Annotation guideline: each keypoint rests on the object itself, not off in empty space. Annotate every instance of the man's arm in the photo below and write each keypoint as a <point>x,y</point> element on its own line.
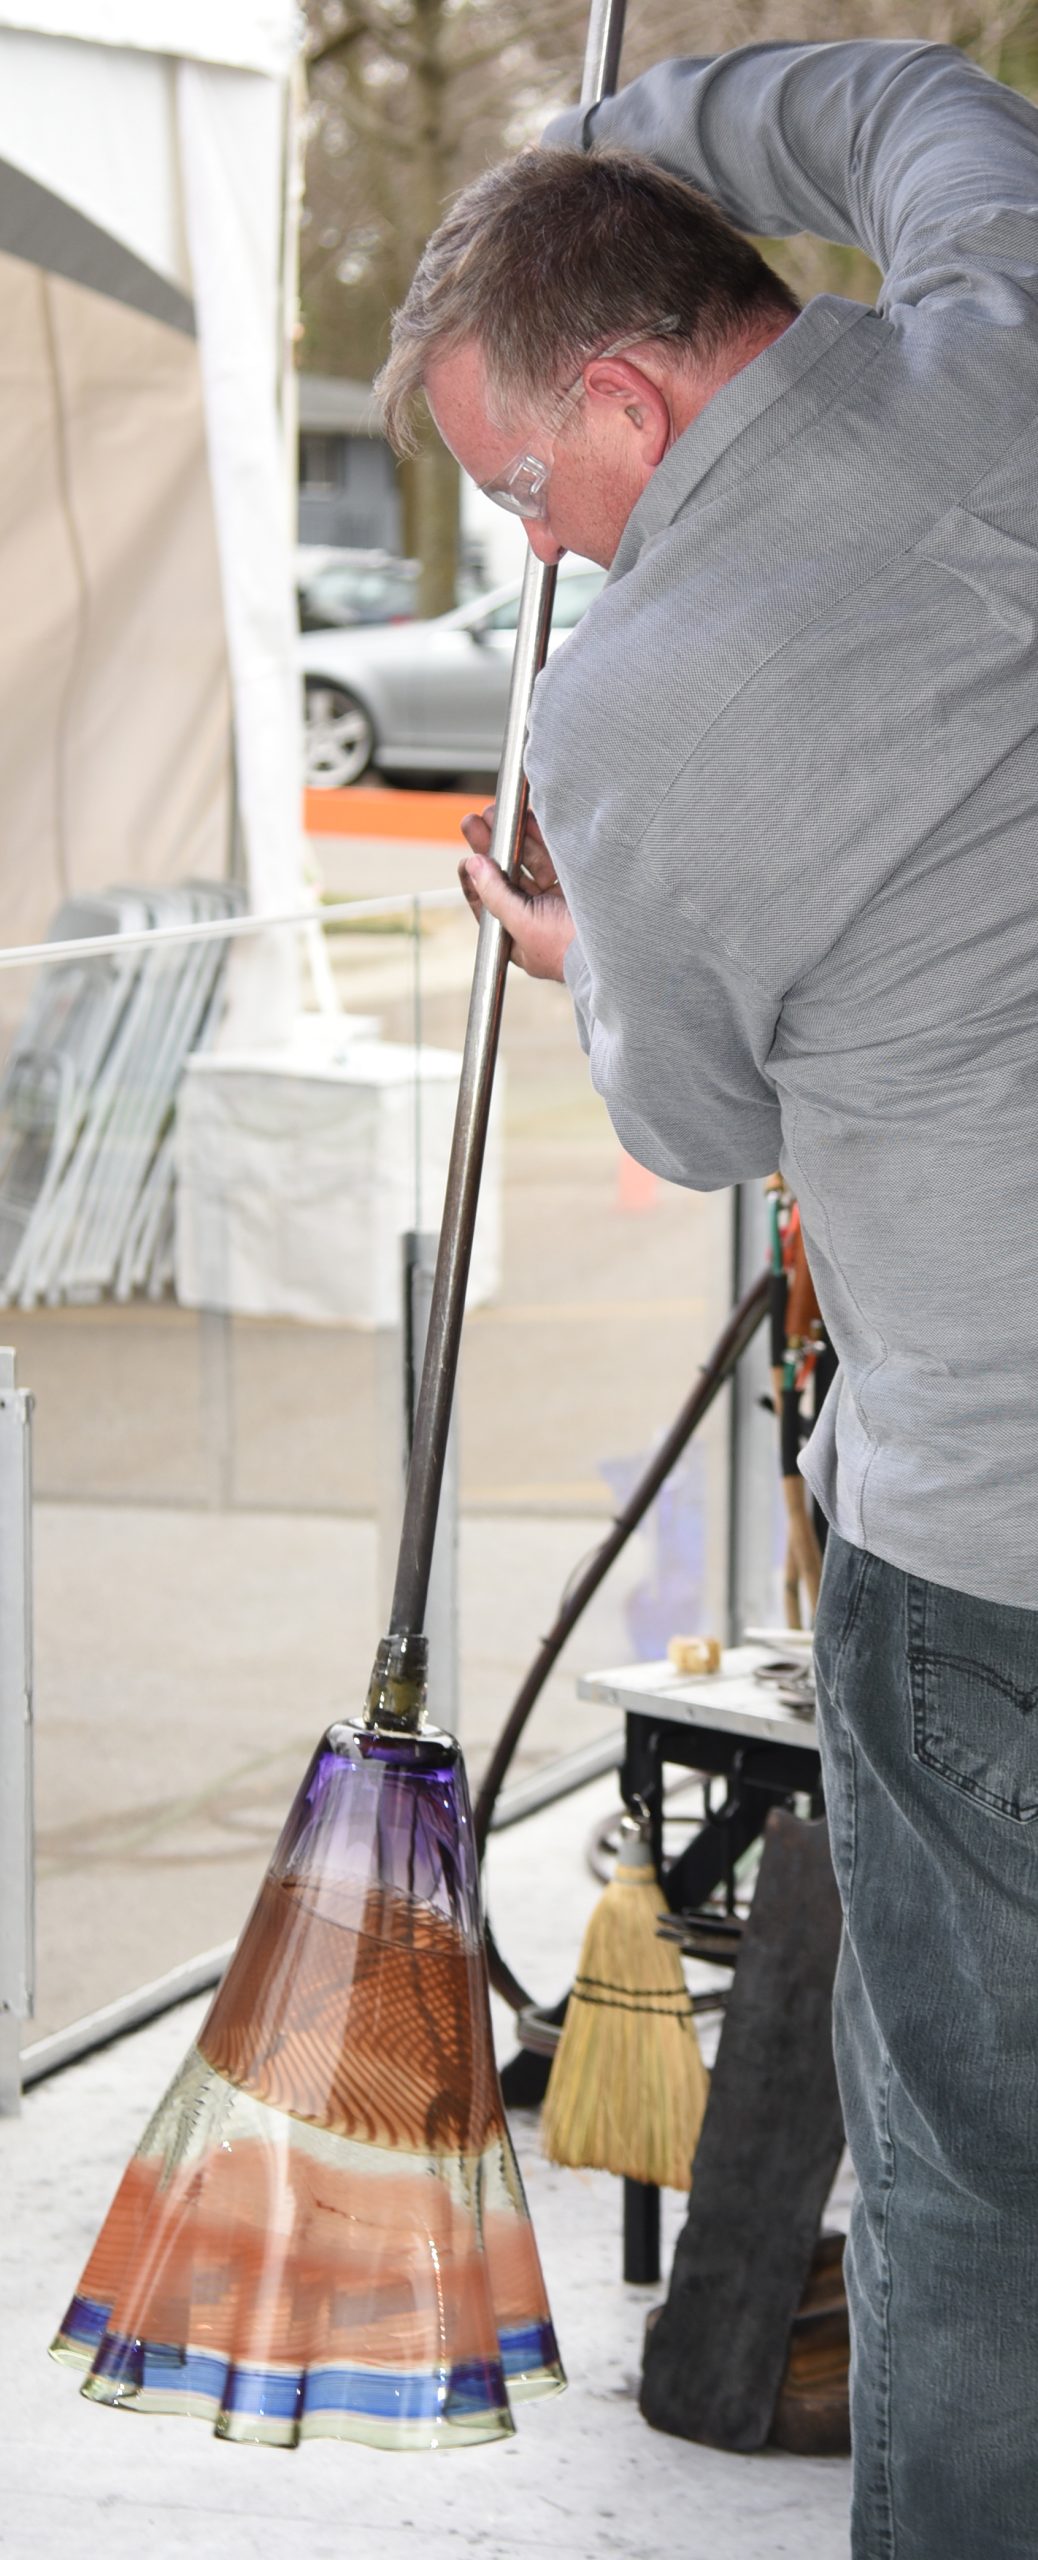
<point>675,1033</point>
<point>675,1039</point>
<point>906,149</point>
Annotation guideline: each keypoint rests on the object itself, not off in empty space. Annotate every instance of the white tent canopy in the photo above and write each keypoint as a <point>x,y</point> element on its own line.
<point>147,661</point>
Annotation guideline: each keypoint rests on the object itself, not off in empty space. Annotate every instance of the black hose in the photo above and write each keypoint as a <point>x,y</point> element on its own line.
<point>739,1331</point>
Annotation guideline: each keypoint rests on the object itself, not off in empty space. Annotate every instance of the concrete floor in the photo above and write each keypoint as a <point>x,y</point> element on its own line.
<point>584,2478</point>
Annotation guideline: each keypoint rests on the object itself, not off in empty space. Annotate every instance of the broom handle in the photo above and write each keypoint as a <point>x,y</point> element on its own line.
<point>439,1369</point>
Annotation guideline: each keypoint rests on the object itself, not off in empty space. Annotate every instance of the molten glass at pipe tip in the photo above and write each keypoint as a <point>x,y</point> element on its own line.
<point>396,1690</point>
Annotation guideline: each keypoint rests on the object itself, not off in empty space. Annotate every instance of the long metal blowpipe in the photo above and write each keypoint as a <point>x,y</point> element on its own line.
<point>397,1681</point>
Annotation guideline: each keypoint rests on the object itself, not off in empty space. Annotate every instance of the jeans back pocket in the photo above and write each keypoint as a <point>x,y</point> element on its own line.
<point>973,1666</point>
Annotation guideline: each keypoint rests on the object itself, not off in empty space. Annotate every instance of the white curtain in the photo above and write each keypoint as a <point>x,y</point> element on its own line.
<point>115,748</point>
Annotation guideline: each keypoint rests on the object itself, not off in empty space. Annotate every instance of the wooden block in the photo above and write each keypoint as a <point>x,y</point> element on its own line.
<point>812,2412</point>
<point>768,2152</point>
<point>694,1656</point>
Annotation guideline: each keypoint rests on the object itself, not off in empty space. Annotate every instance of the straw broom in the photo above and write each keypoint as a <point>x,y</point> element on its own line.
<point>628,2084</point>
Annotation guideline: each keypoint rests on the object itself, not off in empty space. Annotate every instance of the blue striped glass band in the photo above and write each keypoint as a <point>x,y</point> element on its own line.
<point>254,2391</point>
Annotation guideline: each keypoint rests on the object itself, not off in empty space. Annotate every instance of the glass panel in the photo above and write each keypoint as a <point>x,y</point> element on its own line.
<point>206,1314</point>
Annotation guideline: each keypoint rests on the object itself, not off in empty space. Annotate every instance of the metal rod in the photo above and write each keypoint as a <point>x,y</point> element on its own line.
<point>407,1614</point>
<point>439,1370</point>
<point>563,1777</point>
<point>16,1676</point>
<point>122,2017</point>
<point>442,1603</point>
<point>605,37</point>
<point>346,911</point>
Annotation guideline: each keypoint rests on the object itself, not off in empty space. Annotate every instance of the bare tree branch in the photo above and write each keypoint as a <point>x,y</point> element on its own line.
<point>417,135</point>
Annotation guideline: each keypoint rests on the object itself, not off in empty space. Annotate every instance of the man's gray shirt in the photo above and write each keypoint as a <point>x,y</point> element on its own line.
<point>788,771</point>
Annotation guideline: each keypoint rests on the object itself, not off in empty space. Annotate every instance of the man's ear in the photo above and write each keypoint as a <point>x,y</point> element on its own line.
<point>612,379</point>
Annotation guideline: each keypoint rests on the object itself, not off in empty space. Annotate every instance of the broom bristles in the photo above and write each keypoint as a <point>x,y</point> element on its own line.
<point>628,2084</point>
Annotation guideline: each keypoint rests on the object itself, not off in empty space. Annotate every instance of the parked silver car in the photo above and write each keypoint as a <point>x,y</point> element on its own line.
<point>359,586</point>
<point>421,697</point>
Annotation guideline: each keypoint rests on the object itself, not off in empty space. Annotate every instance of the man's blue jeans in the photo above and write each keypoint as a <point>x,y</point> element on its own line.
<point>928,1713</point>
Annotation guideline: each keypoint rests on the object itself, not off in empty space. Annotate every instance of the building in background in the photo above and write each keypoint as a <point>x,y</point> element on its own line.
<point>349,495</point>
<point>349,487</point>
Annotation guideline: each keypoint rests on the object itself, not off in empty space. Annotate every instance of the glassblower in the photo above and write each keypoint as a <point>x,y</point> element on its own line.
<point>324,2231</point>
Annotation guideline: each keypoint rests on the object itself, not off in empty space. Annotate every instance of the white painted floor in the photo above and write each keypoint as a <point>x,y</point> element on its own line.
<point>584,2478</point>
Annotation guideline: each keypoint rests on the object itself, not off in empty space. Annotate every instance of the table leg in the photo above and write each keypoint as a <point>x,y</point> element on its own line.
<point>641,1777</point>
<point>641,2232</point>
<point>641,1781</point>
<point>694,1876</point>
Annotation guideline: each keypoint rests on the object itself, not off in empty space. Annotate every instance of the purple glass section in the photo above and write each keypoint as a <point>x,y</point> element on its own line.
<point>385,1811</point>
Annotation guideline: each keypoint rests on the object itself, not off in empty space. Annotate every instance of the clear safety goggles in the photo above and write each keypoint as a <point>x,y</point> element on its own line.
<point>522,487</point>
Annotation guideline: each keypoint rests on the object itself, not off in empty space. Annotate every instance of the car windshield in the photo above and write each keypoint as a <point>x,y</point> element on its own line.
<point>573,594</point>
<point>369,595</point>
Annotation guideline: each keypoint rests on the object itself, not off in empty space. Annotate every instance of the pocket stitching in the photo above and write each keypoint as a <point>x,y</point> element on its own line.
<point>921,1657</point>
<point>970,1787</point>
<point>1025,1700</point>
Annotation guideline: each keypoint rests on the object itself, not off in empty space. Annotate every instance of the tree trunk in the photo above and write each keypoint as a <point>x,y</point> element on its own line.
<point>436,484</point>
<point>436,497</point>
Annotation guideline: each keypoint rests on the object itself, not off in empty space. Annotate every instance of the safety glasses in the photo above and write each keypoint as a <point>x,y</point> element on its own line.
<point>522,487</point>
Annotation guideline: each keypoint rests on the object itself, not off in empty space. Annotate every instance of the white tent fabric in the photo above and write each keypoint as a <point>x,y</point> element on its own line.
<point>144,488</point>
<point>115,726</point>
<point>251,35</point>
<point>96,131</point>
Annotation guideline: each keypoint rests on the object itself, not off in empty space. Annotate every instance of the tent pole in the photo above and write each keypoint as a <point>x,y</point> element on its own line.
<point>16,1807</point>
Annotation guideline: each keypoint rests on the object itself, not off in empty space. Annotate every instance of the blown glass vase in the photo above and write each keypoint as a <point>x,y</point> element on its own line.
<point>324,2231</point>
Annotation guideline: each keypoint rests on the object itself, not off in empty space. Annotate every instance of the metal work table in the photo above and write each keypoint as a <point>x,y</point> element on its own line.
<point>726,1701</point>
<point>727,1725</point>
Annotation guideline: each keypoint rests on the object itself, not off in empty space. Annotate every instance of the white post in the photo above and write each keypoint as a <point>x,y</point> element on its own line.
<point>399,1358</point>
<point>216,1365</point>
<point>16,1803</point>
<point>753,1485</point>
<point>441,1615</point>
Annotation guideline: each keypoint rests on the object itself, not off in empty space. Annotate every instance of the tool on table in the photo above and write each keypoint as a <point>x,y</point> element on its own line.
<point>789,1668</point>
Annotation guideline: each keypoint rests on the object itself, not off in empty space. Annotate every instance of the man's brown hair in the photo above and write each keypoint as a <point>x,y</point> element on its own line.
<point>551,255</point>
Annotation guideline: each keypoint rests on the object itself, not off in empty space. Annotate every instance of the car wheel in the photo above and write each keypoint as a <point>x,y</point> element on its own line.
<point>340,736</point>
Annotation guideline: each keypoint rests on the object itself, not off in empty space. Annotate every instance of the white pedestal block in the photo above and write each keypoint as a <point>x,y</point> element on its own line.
<point>296,1178</point>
